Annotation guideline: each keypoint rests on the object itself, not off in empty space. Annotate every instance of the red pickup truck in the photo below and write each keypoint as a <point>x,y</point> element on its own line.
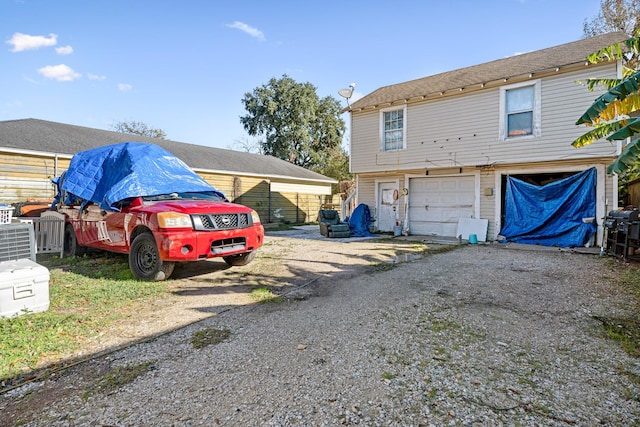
<point>155,226</point>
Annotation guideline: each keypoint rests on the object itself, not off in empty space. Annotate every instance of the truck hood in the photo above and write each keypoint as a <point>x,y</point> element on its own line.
<point>113,173</point>
<point>192,207</point>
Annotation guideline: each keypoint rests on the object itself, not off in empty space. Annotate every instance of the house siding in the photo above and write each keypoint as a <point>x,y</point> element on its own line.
<point>463,130</point>
<point>26,177</point>
<point>295,207</point>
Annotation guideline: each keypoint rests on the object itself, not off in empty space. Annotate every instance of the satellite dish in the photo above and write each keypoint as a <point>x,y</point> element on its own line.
<point>347,93</point>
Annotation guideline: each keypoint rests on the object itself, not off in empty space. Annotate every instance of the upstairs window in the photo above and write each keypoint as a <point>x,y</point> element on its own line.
<point>393,129</point>
<point>520,111</point>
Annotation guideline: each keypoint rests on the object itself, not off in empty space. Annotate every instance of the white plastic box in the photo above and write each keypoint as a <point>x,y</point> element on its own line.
<point>24,287</point>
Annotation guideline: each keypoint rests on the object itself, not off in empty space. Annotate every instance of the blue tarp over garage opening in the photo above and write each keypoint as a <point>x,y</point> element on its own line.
<point>552,214</point>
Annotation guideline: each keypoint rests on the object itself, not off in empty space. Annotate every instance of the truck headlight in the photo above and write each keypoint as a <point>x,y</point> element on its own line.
<point>174,220</point>
<point>255,217</point>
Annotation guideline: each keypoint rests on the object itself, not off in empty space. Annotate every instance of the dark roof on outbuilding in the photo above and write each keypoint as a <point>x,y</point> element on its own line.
<point>539,61</point>
<point>63,139</point>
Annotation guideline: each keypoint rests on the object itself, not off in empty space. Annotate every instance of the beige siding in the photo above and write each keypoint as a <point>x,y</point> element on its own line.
<point>24,177</point>
<point>295,207</point>
<point>463,130</point>
<point>365,142</point>
<point>254,193</point>
<point>366,191</point>
<point>223,183</point>
<point>488,197</point>
<point>290,187</point>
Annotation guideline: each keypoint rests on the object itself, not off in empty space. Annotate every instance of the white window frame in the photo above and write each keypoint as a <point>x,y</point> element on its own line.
<point>537,128</point>
<point>404,128</point>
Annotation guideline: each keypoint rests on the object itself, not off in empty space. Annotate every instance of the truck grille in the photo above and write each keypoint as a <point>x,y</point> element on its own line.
<point>221,221</point>
<point>224,246</point>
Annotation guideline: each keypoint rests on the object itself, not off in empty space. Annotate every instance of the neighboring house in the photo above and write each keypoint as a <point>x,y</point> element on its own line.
<point>32,152</point>
<point>432,151</point>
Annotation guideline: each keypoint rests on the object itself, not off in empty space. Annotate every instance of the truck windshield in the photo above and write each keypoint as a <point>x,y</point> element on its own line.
<point>203,195</point>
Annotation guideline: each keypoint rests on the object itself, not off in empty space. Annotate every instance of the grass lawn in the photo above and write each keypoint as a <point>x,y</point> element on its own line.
<point>86,295</point>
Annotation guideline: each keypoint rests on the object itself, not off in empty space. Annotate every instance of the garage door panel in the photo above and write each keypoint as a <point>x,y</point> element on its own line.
<point>437,203</point>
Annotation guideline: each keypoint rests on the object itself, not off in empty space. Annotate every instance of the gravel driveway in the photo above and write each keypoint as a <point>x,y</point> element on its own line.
<point>481,335</point>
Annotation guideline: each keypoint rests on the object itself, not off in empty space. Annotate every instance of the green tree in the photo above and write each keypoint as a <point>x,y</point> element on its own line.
<point>335,163</point>
<point>614,15</point>
<point>138,128</point>
<point>294,124</point>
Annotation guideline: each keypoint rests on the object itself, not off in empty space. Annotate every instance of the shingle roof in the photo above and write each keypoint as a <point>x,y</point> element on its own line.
<point>61,139</point>
<point>517,65</point>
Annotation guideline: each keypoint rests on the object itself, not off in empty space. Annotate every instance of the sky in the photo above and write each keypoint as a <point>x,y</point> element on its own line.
<point>185,66</point>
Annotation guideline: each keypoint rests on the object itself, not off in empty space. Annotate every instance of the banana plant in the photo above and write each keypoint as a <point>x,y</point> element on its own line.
<point>615,115</point>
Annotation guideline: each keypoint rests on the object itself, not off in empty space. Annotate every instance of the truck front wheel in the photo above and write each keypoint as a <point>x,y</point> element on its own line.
<point>240,259</point>
<point>71,246</point>
<point>144,259</point>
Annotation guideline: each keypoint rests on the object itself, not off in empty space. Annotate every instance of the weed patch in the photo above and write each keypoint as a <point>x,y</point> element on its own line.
<point>209,336</point>
<point>119,376</point>
<point>626,331</point>
<point>263,295</point>
<point>383,266</point>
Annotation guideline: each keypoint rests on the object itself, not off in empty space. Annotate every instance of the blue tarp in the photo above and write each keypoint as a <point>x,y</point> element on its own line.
<point>360,221</point>
<point>112,173</point>
<point>552,214</point>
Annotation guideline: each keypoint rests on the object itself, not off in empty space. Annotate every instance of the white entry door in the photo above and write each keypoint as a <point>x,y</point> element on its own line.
<point>387,206</point>
<point>437,203</point>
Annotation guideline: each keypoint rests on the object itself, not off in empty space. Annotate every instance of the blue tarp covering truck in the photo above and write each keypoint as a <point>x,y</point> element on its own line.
<point>141,200</point>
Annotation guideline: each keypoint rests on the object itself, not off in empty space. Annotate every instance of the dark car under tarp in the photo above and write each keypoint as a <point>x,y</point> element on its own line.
<point>561,213</point>
<point>113,173</point>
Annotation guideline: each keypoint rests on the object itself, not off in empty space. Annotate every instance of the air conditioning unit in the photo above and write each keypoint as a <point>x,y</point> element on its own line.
<point>17,241</point>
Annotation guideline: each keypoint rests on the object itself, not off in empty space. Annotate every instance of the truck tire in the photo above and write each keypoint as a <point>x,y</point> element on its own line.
<point>240,259</point>
<point>145,262</point>
<point>71,246</point>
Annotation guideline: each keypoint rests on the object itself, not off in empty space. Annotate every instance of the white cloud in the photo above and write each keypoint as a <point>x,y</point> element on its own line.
<point>22,42</point>
<point>62,73</point>
<point>253,32</point>
<point>124,87</point>
<point>95,77</point>
<point>64,50</point>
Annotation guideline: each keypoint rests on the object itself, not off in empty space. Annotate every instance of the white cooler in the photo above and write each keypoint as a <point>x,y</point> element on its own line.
<point>24,287</point>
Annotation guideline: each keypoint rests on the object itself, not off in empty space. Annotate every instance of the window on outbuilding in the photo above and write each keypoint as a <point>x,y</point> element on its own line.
<point>520,111</point>
<point>393,129</point>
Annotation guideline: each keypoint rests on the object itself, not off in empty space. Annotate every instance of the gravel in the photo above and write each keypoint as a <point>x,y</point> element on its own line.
<point>481,335</point>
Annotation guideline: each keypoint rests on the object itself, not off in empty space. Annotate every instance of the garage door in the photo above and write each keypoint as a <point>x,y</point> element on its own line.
<point>436,204</point>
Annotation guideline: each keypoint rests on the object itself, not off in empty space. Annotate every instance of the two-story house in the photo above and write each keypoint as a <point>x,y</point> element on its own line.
<point>431,152</point>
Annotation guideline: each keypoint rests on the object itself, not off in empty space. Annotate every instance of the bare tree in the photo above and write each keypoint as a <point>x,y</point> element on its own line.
<point>138,128</point>
<point>247,145</point>
<point>614,15</point>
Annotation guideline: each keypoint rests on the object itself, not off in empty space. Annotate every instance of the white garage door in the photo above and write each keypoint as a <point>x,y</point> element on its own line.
<point>437,203</point>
